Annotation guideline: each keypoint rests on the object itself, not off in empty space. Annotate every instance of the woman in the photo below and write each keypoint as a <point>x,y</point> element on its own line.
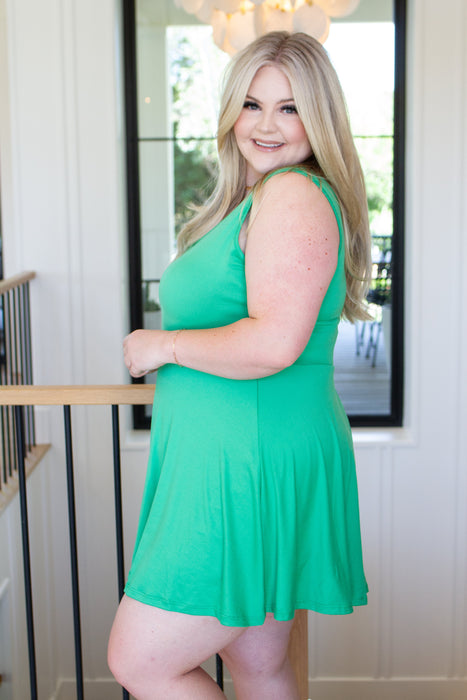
<point>250,508</point>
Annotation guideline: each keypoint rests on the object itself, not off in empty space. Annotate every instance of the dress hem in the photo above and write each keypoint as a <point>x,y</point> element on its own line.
<point>245,621</point>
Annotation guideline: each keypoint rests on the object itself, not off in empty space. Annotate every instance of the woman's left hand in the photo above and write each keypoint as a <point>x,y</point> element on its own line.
<point>145,351</point>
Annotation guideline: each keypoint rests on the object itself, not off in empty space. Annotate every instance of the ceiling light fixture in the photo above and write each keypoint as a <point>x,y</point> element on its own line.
<point>236,23</point>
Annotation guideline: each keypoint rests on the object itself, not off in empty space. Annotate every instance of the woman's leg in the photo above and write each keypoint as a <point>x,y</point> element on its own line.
<point>258,663</point>
<point>156,654</point>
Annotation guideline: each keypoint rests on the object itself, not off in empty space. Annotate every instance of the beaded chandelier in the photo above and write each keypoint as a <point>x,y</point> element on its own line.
<point>236,23</point>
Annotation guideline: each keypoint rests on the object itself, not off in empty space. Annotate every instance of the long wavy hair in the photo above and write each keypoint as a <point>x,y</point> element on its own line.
<point>321,106</point>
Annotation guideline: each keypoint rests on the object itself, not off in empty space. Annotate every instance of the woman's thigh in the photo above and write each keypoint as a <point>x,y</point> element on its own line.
<point>259,650</point>
<point>150,641</point>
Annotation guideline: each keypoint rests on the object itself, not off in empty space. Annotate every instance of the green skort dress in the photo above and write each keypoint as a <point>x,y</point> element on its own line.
<point>250,503</point>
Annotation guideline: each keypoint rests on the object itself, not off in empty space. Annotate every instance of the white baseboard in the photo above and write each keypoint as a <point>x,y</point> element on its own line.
<point>105,689</point>
<point>388,689</point>
<point>99,689</point>
<point>320,689</point>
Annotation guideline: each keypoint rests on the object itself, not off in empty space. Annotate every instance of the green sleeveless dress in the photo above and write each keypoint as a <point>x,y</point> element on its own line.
<point>250,503</point>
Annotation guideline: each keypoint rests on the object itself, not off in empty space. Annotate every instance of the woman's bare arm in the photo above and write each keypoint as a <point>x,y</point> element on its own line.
<point>290,258</point>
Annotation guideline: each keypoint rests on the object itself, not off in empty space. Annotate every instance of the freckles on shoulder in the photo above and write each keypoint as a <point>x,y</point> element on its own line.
<point>294,222</point>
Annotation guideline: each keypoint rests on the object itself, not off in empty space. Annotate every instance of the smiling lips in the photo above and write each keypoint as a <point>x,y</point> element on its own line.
<point>263,144</point>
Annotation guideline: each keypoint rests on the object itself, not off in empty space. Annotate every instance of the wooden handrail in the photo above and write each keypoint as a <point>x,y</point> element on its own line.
<point>86,395</point>
<point>16,281</point>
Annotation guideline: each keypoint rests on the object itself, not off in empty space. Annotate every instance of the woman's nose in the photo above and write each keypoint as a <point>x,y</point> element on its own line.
<point>266,122</point>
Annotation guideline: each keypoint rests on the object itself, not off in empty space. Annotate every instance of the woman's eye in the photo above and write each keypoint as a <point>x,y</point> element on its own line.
<point>289,109</point>
<point>251,105</point>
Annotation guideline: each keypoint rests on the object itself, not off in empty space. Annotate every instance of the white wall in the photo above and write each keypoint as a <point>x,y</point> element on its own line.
<point>61,171</point>
<point>61,149</point>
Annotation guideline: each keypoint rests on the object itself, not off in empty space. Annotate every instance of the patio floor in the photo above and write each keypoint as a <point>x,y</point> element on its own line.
<point>363,389</point>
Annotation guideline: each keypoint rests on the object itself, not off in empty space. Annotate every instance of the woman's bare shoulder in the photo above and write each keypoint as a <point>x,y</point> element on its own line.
<point>293,194</point>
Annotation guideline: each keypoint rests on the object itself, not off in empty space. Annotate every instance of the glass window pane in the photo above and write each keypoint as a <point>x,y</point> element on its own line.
<point>194,175</point>
<point>362,356</point>
<point>179,75</point>
<point>195,70</point>
<point>156,206</point>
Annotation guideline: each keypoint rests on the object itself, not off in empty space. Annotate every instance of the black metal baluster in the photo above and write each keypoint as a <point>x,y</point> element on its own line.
<point>73,553</point>
<point>118,499</point>
<point>29,378</point>
<point>3,381</point>
<point>4,438</point>
<point>26,552</point>
<point>20,334</point>
<point>14,357</point>
<point>118,510</point>
<point>219,672</point>
<point>12,461</point>
<point>27,322</point>
<point>8,346</point>
<point>2,341</point>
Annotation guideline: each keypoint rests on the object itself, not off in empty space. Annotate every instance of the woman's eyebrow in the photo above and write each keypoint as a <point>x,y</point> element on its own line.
<point>255,99</point>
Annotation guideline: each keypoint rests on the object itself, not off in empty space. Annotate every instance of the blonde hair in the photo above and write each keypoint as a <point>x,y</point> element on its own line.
<point>321,106</point>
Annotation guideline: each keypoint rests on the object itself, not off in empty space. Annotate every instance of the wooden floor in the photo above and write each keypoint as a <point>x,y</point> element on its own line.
<point>363,389</point>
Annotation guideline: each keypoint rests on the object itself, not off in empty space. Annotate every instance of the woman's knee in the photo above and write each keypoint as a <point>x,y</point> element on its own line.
<point>119,662</point>
<point>157,647</point>
<point>142,677</point>
<point>126,651</point>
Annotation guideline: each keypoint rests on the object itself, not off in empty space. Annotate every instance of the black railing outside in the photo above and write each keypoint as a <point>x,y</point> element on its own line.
<point>15,368</point>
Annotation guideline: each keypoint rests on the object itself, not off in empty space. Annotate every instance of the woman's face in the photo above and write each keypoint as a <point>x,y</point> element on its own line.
<point>269,132</point>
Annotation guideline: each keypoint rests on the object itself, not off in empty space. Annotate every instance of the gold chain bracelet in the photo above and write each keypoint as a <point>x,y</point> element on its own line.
<point>177,333</point>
